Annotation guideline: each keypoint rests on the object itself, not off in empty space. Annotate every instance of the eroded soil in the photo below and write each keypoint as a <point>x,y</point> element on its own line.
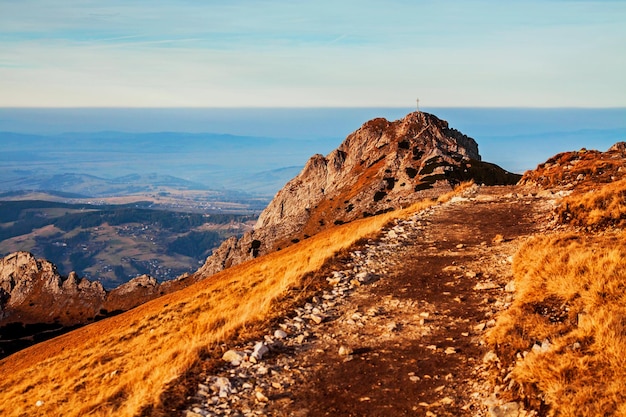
<point>422,352</point>
<point>408,343</point>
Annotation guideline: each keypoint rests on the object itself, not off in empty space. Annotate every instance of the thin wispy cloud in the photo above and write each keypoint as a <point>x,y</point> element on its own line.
<point>325,53</point>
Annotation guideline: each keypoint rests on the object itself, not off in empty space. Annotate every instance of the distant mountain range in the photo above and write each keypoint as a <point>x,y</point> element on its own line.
<point>117,163</point>
<point>85,185</point>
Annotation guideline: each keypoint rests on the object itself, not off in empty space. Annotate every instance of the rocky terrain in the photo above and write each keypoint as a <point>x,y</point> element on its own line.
<point>397,329</point>
<point>37,303</point>
<point>415,319</point>
<point>380,167</point>
<point>579,169</point>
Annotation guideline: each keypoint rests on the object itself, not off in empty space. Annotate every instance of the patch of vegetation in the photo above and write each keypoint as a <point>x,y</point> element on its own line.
<point>417,153</point>
<point>254,247</point>
<point>391,182</point>
<point>80,260</point>
<point>481,173</point>
<point>422,186</point>
<point>430,165</point>
<point>174,221</point>
<point>571,299</point>
<point>404,144</point>
<point>411,172</point>
<point>595,209</point>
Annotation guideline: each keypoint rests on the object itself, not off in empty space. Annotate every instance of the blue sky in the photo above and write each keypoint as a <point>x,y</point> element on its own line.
<point>269,53</point>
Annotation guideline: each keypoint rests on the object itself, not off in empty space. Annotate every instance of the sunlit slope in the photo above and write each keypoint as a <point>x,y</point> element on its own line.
<point>564,336</point>
<point>568,324</point>
<point>119,365</point>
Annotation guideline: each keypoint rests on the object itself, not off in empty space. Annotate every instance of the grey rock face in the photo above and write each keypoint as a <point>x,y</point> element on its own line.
<point>21,275</point>
<point>382,166</point>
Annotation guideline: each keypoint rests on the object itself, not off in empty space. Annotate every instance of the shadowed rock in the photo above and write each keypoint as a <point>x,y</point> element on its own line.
<point>380,167</point>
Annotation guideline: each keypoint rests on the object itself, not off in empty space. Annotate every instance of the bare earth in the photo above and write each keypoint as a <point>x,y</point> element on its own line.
<point>406,340</point>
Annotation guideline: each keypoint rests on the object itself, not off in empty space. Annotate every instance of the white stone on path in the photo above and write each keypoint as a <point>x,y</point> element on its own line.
<point>280,334</point>
<point>222,385</point>
<point>345,351</point>
<point>234,357</point>
<point>261,397</point>
<point>260,349</point>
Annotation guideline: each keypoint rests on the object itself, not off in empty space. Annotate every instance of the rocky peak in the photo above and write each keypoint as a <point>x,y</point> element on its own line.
<point>33,288</point>
<point>20,272</point>
<point>381,166</point>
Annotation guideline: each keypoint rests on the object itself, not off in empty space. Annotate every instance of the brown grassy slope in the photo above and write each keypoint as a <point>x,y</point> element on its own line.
<point>580,170</point>
<point>120,365</point>
<point>571,297</point>
<point>571,291</point>
<point>597,208</point>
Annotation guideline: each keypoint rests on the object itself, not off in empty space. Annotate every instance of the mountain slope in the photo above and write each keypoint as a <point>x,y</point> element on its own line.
<point>120,365</point>
<point>566,312</point>
<point>37,303</point>
<point>382,166</point>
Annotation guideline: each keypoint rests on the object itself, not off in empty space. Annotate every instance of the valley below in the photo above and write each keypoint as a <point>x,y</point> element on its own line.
<point>113,240</point>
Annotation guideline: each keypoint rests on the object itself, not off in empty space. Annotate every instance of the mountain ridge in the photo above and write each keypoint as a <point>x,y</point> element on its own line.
<point>382,166</point>
<point>147,361</point>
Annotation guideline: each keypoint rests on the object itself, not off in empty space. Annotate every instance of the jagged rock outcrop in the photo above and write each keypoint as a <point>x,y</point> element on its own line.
<point>579,169</point>
<point>34,292</point>
<point>380,167</point>
<point>136,291</point>
<point>619,147</point>
<point>36,302</point>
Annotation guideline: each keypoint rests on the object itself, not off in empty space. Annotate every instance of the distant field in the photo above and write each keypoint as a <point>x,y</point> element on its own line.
<point>114,243</point>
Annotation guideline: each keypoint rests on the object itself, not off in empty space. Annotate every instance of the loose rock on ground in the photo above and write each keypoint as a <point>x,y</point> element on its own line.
<point>398,331</point>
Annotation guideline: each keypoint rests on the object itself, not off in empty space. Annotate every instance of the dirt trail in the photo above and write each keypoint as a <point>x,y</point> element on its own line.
<point>407,342</point>
<point>418,352</point>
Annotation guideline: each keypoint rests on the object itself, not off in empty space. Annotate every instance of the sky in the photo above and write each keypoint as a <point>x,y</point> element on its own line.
<point>300,53</point>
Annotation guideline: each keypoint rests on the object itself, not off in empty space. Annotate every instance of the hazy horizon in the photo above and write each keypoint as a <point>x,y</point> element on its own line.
<point>515,138</point>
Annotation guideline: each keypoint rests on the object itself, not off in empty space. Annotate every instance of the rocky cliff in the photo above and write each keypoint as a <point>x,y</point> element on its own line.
<point>36,302</point>
<point>380,167</point>
<point>33,292</point>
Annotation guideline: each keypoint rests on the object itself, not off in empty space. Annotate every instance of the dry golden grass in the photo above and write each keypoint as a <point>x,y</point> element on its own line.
<point>584,168</point>
<point>118,366</point>
<point>601,207</point>
<point>571,290</point>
